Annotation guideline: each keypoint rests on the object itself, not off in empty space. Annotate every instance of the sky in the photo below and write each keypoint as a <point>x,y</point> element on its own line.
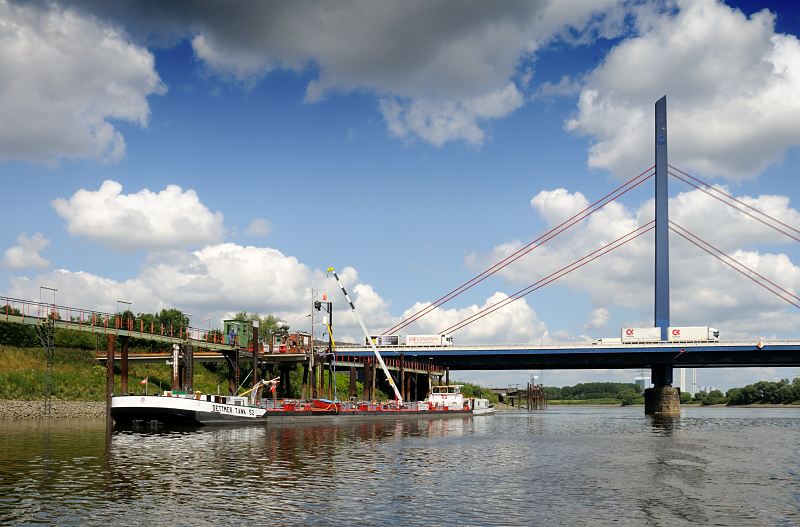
<point>217,157</point>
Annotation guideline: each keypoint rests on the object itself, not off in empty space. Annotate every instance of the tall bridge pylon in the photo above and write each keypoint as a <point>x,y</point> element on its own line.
<point>662,399</point>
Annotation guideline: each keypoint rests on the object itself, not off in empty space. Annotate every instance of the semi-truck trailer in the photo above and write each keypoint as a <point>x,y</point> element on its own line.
<point>384,340</point>
<point>651,334</point>
<point>429,340</point>
<point>674,334</point>
<point>692,334</point>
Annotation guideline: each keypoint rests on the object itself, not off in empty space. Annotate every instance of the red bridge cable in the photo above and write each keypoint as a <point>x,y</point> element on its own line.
<point>792,236</point>
<point>776,220</point>
<point>577,264</point>
<point>526,249</point>
<point>700,244</point>
<point>733,198</point>
<point>719,251</point>
<point>545,281</point>
<point>516,256</point>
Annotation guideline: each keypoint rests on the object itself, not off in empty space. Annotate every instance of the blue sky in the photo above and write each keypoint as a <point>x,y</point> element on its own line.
<point>405,154</point>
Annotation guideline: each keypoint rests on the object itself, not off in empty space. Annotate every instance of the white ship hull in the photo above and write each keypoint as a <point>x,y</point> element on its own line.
<point>214,410</point>
<point>179,410</point>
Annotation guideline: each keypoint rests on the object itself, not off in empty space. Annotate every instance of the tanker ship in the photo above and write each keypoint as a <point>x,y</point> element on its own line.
<point>200,409</point>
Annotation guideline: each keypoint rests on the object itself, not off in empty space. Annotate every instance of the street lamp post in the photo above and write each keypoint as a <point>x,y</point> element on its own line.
<point>208,333</point>
<point>45,288</point>
<point>119,313</point>
<point>188,323</point>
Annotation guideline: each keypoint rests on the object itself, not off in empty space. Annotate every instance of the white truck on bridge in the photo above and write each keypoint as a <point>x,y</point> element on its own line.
<point>674,334</point>
<point>640,335</point>
<point>429,340</point>
<point>692,334</point>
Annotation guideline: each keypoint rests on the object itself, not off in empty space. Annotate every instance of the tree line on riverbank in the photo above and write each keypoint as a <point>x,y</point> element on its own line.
<point>596,392</point>
<point>762,392</point>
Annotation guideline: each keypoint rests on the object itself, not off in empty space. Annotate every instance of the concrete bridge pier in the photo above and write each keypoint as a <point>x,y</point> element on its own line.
<point>662,400</point>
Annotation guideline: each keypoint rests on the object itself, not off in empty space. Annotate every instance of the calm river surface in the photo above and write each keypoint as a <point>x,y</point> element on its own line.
<point>558,467</point>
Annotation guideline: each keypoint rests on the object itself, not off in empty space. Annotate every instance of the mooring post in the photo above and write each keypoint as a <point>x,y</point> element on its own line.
<point>123,365</point>
<point>188,357</point>
<point>353,391</point>
<point>372,375</point>
<point>322,380</point>
<point>110,348</point>
<point>176,380</point>
<point>304,386</point>
<point>367,382</point>
<point>255,352</point>
<point>662,399</point>
<point>528,398</point>
<point>331,379</point>
<point>232,358</point>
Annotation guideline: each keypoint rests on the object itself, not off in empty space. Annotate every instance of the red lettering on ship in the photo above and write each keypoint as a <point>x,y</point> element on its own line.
<point>676,332</point>
<point>629,332</point>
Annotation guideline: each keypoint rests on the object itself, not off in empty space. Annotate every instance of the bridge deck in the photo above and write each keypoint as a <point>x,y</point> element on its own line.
<point>594,356</point>
<point>108,330</point>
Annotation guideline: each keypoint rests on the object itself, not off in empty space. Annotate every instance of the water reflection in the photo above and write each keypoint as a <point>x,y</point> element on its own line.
<point>663,425</point>
<point>559,467</point>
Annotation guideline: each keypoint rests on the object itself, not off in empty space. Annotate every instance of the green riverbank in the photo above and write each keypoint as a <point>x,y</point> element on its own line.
<point>77,376</point>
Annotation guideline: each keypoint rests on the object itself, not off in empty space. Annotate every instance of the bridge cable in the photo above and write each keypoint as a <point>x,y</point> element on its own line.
<point>577,264</point>
<point>552,233</point>
<point>733,263</point>
<point>698,180</point>
<point>728,203</point>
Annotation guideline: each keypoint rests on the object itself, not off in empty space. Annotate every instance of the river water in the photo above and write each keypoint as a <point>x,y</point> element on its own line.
<point>571,466</point>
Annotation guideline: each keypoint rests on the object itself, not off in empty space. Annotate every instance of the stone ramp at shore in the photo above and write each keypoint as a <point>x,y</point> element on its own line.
<point>11,409</point>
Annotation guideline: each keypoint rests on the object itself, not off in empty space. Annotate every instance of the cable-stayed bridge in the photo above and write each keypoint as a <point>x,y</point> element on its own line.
<point>661,357</point>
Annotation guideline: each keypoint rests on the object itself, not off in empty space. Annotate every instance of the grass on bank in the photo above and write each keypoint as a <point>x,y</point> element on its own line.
<point>76,375</point>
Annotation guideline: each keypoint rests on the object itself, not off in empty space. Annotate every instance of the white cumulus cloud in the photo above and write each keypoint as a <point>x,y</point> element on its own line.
<point>440,70</point>
<point>731,83</point>
<point>26,253</point>
<point>259,227</point>
<point>64,78</point>
<point>517,322</point>
<point>168,219</point>
<point>447,120</point>
<point>598,318</point>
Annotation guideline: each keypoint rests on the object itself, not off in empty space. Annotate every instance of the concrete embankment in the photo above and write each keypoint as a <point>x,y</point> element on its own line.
<point>10,409</point>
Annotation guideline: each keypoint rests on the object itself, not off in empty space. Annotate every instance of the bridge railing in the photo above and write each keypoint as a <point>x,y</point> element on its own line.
<point>391,363</point>
<point>89,319</point>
